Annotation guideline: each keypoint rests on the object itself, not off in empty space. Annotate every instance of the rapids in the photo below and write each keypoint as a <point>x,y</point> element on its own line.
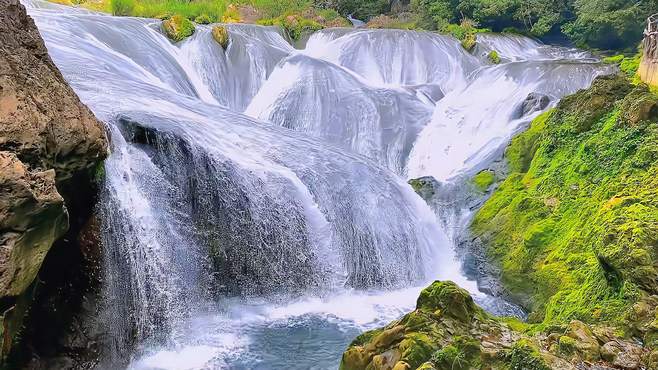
<point>255,210</point>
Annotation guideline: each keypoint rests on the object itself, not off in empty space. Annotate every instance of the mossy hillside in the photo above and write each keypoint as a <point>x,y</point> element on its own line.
<point>575,225</point>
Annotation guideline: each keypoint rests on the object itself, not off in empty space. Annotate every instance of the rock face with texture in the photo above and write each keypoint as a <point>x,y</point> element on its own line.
<point>49,140</point>
<point>649,66</point>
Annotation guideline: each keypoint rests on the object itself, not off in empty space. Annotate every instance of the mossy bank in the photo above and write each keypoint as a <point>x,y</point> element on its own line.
<point>573,230</point>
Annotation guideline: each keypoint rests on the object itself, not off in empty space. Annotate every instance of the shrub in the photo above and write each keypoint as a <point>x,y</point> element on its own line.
<point>203,19</point>
<point>494,57</point>
<point>122,7</point>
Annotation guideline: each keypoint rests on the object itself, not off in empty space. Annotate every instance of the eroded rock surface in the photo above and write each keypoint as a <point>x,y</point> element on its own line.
<point>50,143</point>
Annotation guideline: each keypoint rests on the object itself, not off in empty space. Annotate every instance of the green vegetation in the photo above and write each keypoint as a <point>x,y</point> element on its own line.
<point>525,356</point>
<point>574,225</point>
<point>494,57</point>
<point>122,7</point>
<point>295,25</point>
<point>599,24</point>
<point>483,180</point>
<point>466,32</point>
<point>177,28</point>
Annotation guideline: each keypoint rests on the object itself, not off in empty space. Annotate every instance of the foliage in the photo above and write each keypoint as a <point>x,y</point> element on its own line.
<point>296,25</point>
<point>592,23</point>
<point>122,7</point>
<point>466,32</point>
<point>178,28</point>
<point>494,57</point>
<point>203,19</point>
<point>211,10</point>
<point>574,224</point>
<point>362,9</point>
<point>278,8</point>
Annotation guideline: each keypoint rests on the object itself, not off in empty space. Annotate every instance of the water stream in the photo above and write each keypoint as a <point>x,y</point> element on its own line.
<point>256,209</point>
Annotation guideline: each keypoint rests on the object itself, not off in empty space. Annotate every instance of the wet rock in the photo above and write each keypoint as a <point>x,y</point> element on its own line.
<point>426,187</point>
<point>177,28</point>
<point>534,102</point>
<point>221,35</point>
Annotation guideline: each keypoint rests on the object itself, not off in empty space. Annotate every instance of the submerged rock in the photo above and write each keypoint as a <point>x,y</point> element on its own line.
<point>178,28</point>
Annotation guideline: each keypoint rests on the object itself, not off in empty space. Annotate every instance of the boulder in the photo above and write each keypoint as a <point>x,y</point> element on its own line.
<point>221,35</point>
<point>177,28</point>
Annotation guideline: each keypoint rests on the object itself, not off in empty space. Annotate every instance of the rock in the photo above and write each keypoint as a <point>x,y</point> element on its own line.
<point>221,35</point>
<point>534,102</point>
<point>50,143</point>
<point>42,121</point>
<point>639,105</point>
<point>177,28</point>
<point>449,298</point>
<point>426,186</point>
<point>32,217</point>
<point>585,342</point>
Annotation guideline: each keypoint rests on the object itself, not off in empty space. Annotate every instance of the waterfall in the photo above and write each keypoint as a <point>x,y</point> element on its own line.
<point>258,194</point>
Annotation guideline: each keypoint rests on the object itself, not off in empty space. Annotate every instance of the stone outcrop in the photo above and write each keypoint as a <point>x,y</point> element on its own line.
<point>50,144</point>
<point>449,331</point>
<point>648,70</point>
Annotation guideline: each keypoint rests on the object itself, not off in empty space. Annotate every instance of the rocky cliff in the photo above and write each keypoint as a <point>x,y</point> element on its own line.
<point>649,65</point>
<point>50,146</point>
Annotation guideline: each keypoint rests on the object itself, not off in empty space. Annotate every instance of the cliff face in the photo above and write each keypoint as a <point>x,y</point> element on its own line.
<point>50,144</point>
<point>649,66</point>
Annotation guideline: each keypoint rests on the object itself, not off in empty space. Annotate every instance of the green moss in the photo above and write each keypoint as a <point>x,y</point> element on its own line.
<point>566,345</point>
<point>295,24</point>
<point>178,28</point>
<point>494,57</point>
<point>525,356</point>
<point>483,180</point>
<point>365,337</point>
<point>448,298</point>
<point>574,225</point>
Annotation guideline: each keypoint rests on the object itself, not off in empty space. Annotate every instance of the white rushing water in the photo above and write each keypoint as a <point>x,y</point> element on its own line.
<point>256,212</point>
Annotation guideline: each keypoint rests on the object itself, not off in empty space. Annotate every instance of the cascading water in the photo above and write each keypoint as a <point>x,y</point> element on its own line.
<point>269,240</point>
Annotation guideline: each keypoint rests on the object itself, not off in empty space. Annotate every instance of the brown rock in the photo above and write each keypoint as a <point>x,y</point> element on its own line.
<point>48,139</point>
<point>42,121</point>
<point>32,217</point>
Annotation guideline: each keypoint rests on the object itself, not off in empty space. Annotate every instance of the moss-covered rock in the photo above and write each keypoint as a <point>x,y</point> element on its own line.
<point>483,180</point>
<point>221,35</point>
<point>493,57</point>
<point>448,331</point>
<point>178,28</point>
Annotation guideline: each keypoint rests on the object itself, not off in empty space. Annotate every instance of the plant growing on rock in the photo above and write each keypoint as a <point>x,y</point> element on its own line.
<point>178,28</point>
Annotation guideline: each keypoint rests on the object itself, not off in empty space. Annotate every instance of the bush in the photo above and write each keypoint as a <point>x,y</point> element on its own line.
<point>122,7</point>
<point>494,57</point>
<point>203,19</point>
